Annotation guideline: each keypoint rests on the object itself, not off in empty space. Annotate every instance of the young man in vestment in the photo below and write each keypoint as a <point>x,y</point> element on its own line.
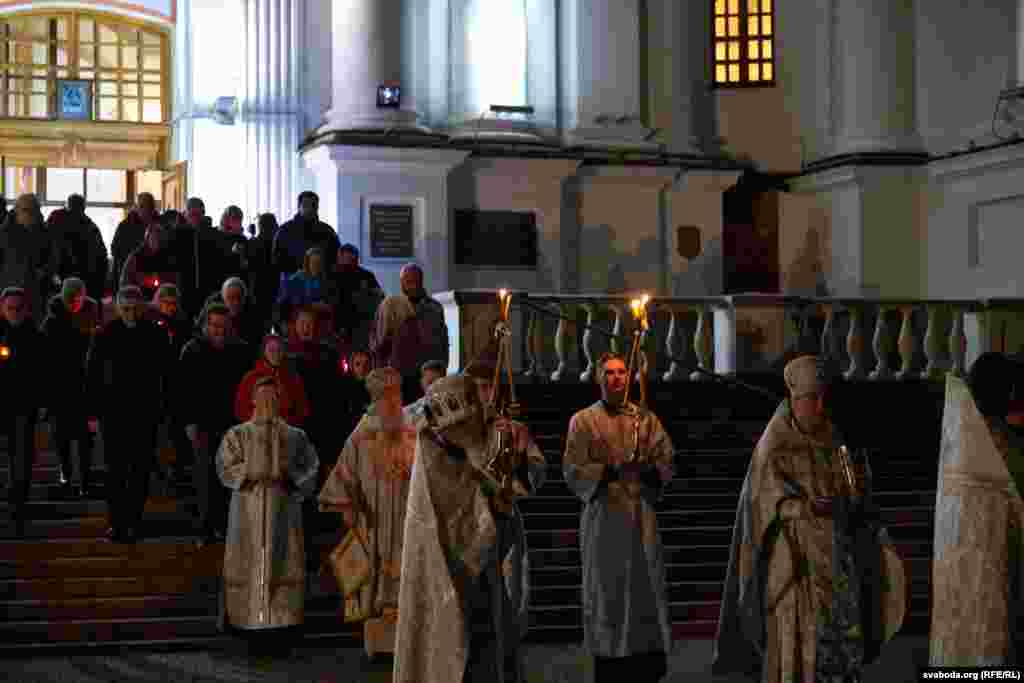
<point>270,468</point>
<point>814,587</point>
<point>978,568</point>
<point>369,485</point>
<point>463,594</point>
<point>618,460</point>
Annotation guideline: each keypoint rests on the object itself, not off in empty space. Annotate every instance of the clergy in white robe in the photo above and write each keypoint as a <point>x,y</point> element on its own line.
<point>626,623</point>
<point>270,467</point>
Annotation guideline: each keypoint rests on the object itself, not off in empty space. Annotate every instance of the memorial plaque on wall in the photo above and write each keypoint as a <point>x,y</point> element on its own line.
<point>391,231</point>
<point>495,239</point>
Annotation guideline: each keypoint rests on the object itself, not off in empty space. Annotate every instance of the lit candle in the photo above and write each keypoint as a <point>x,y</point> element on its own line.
<point>5,352</point>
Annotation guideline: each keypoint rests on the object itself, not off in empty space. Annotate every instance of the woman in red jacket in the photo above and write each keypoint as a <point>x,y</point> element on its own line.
<point>294,406</point>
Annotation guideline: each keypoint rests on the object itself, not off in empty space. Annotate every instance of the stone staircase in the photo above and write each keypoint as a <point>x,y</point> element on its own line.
<point>63,585</point>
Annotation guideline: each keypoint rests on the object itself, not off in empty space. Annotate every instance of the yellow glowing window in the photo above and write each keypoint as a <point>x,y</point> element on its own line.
<point>743,50</point>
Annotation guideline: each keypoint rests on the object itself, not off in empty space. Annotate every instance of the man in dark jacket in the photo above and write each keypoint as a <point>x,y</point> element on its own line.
<point>126,372</point>
<point>211,367</point>
<point>165,313</point>
<point>21,373</point>
<point>300,234</point>
<point>263,278</point>
<point>358,294</point>
<point>130,233</point>
<point>82,251</point>
<point>244,320</point>
<point>28,257</point>
<point>201,256</point>
<point>69,329</point>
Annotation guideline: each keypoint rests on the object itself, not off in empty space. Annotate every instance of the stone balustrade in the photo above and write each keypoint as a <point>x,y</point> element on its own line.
<point>871,339</point>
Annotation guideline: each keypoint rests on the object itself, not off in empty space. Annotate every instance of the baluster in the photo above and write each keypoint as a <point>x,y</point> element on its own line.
<point>933,343</point>
<point>703,343</point>
<point>616,344</point>
<point>588,344</point>
<point>641,360</point>
<point>675,347</point>
<point>957,342</point>
<point>855,344</point>
<point>826,331</point>
<point>535,346</point>
<point>806,342</point>
<point>881,345</point>
<point>565,338</point>
<point>905,343</point>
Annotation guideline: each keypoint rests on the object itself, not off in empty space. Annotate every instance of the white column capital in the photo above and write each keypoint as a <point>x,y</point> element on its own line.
<point>373,160</point>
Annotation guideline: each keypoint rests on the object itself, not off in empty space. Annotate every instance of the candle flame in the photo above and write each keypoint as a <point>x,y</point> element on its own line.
<point>502,293</point>
<point>5,351</point>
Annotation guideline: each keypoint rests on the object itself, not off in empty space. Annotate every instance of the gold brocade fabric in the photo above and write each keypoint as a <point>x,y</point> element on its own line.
<point>270,467</point>
<point>977,508</point>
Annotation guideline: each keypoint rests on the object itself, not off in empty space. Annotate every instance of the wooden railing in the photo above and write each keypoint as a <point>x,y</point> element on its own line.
<point>559,337</point>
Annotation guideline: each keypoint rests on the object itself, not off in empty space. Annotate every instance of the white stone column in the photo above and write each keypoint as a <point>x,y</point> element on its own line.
<point>873,57</point>
<point>369,49</point>
<point>602,69</point>
<point>272,104</point>
<point>682,29</point>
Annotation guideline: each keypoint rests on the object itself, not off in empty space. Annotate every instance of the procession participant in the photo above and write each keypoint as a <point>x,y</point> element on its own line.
<point>69,328</point>
<point>292,393</point>
<point>369,485</point>
<point>814,587</point>
<point>978,567</point>
<point>462,599</point>
<point>165,312</point>
<point>618,459</point>
<point>270,467</point>
<point>126,376</point>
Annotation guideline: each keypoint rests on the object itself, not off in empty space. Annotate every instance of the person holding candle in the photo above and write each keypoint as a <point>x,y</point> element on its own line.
<point>151,264</point>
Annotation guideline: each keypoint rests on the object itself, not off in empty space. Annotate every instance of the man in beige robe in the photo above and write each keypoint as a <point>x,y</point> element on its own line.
<point>369,486</point>
<point>618,460</point>
<point>462,602</point>
<point>270,468</point>
<point>814,586</point>
<point>978,568</point>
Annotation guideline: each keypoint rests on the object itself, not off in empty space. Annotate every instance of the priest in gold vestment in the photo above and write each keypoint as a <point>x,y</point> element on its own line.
<point>978,564</point>
<point>814,586</point>
<point>369,486</point>
<point>270,467</point>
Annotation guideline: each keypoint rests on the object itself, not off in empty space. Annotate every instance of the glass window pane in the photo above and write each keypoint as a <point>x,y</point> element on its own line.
<point>720,76</point>
<point>766,71</point>
<point>132,76</point>
<point>63,73</point>
<point>85,30</point>
<point>108,57</point>
<point>40,72</point>
<point>752,6</point>
<point>719,51</point>
<point>719,6</point>
<point>105,185</point>
<point>150,38</point>
<point>752,26</point>
<point>106,34</point>
<point>40,106</point>
<point>62,56</point>
<point>107,88</point>
<point>151,90</point>
<point>752,51</point>
<point>151,58</point>
<point>754,72</point>
<point>734,6</point>
<point>151,182</point>
<point>108,108</point>
<point>734,73</point>
<point>62,28</point>
<point>85,57</point>
<point>766,49</point>
<point>734,26</point>
<point>14,105</point>
<point>40,53</point>
<point>766,25</point>
<point>130,109</point>
<point>152,112</point>
<point>39,85</point>
<point>19,180</point>
<point>127,34</point>
<point>151,78</point>
<point>720,28</point>
<point>61,182</point>
<point>106,219</point>
<point>130,57</point>
<point>130,89</point>
<point>39,27</point>
<point>86,75</point>
<point>766,5</point>
<point>734,50</point>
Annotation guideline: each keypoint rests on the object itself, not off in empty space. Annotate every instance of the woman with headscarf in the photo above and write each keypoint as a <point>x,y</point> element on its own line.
<point>294,408</point>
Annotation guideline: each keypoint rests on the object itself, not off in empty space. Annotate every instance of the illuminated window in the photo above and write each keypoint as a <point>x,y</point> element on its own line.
<point>127,62</point>
<point>744,43</point>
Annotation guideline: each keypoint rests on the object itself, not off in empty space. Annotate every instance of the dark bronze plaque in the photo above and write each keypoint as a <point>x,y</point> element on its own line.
<point>391,231</point>
<point>495,239</point>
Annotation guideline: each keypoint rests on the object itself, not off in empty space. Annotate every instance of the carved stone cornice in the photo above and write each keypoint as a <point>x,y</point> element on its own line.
<point>98,144</point>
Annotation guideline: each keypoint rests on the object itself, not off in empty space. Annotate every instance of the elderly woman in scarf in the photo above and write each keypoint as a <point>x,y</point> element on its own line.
<point>814,586</point>
<point>369,487</point>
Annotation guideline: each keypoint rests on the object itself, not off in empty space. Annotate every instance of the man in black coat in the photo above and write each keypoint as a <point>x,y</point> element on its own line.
<point>126,375</point>
<point>130,233</point>
<point>300,234</point>
<point>210,369</point>
<point>22,361</point>
<point>82,251</point>
<point>202,256</point>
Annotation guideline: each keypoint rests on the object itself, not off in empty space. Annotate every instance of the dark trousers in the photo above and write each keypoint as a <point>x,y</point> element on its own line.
<point>411,389</point>
<point>129,451</point>
<point>70,423</point>
<point>21,451</point>
<point>213,496</point>
<point>649,667</point>
<point>183,454</point>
